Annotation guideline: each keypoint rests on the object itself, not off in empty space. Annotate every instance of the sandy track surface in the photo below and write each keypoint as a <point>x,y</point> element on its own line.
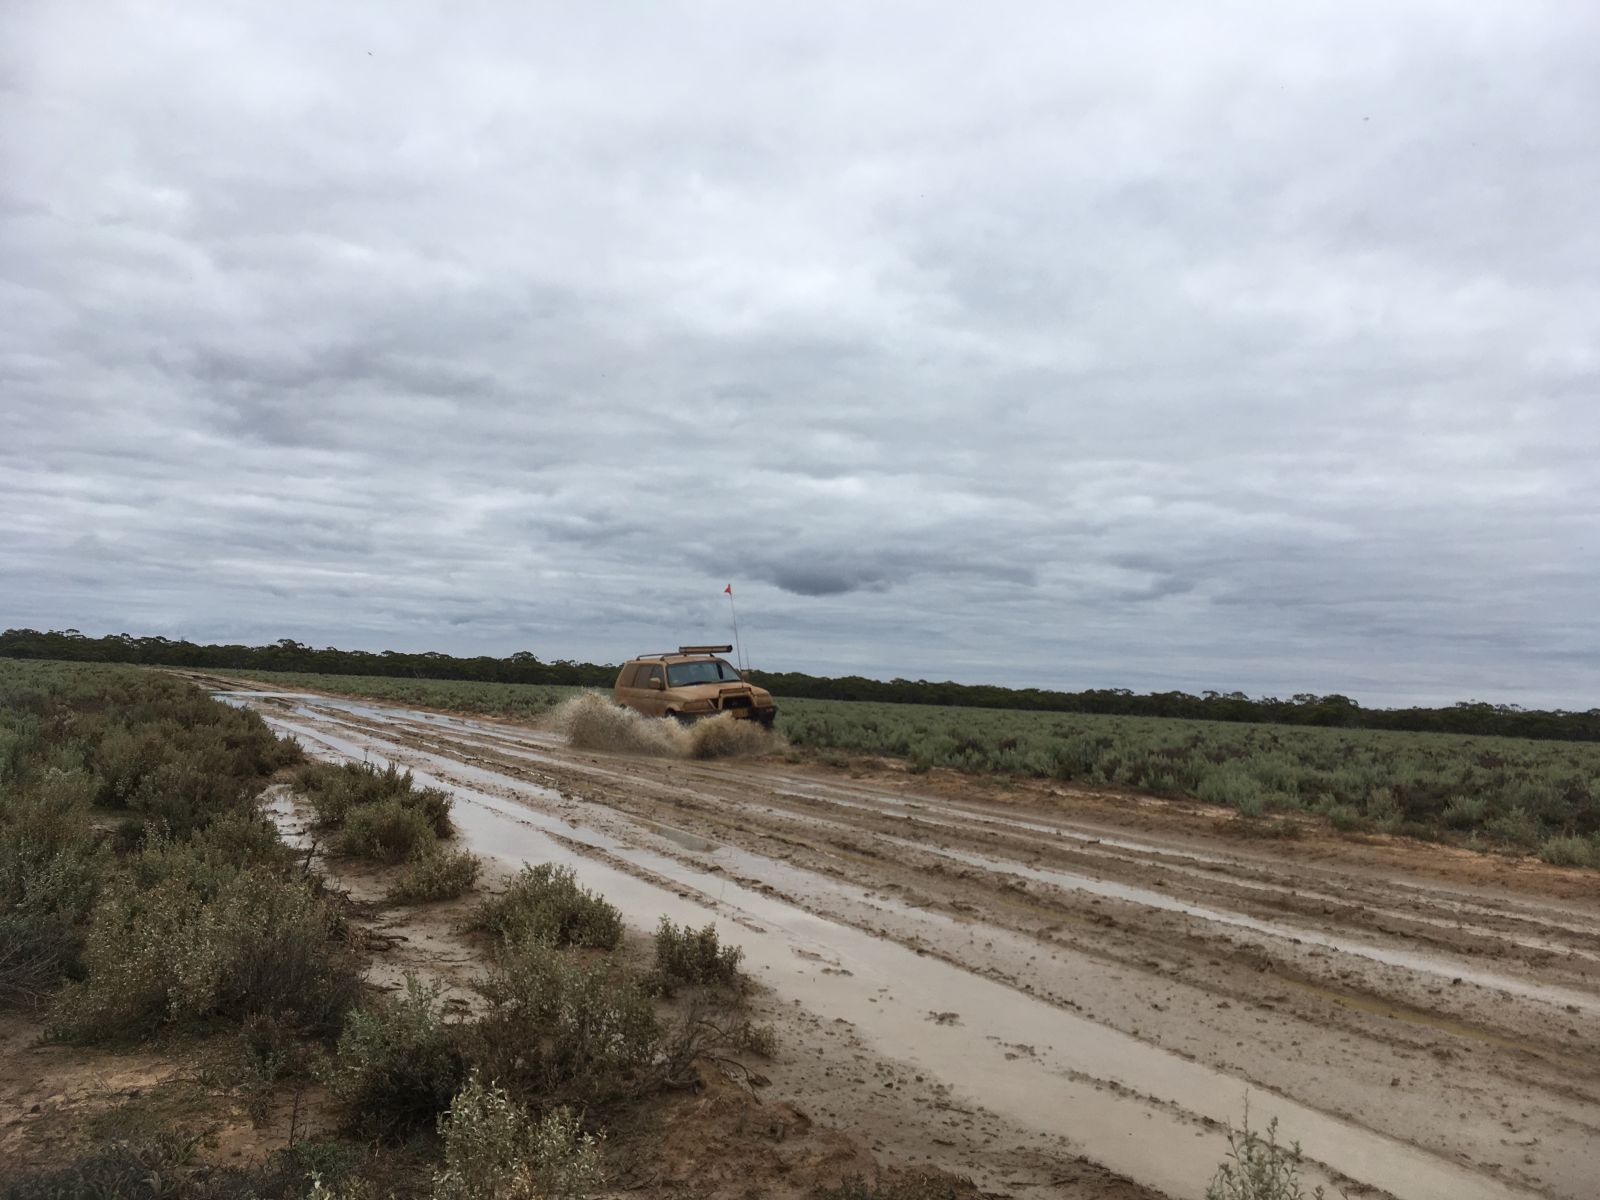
<point>1070,998</point>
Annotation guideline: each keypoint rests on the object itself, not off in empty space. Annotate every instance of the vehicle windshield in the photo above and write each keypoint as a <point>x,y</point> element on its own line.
<point>701,670</point>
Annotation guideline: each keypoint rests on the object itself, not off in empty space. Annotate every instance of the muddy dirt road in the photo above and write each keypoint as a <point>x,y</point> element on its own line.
<point>1069,998</point>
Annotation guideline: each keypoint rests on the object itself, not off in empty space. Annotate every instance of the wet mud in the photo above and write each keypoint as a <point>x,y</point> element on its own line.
<point>1068,984</point>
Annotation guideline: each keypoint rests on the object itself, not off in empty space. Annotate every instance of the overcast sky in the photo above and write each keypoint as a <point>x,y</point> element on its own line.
<point>1238,345</point>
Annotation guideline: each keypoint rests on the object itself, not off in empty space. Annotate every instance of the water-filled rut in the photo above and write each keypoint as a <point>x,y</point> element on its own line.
<point>848,949</point>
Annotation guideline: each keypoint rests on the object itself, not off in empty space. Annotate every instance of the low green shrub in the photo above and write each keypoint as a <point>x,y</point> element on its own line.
<point>388,831</point>
<point>436,875</point>
<point>1465,812</point>
<point>52,863</point>
<point>1230,787</point>
<point>147,1169</point>
<point>338,789</point>
<point>693,957</point>
<point>1344,817</point>
<point>397,1064</point>
<point>545,903</point>
<point>559,1031</point>
<point>1517,828</point>
<point>1259,1168</point>
<point>494,1150</point>
<point>185,768</point>
<point>264,942</point>
<point>210,859</point>
<point>164,1167</point>
<point>1383,810</point>
<point>1569,852</point>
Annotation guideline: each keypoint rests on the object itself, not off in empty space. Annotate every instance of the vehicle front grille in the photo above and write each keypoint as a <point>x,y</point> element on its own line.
<point>735,702</point>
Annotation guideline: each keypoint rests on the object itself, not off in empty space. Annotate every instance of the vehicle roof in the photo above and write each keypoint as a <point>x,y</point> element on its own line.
<point>672,656</point>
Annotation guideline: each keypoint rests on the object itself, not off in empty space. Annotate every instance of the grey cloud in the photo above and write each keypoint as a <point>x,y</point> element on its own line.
<point>1259,355</point>
<point>816,579</point>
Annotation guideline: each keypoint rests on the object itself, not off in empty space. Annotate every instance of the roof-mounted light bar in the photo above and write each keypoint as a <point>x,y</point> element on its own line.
<point>704,649</point>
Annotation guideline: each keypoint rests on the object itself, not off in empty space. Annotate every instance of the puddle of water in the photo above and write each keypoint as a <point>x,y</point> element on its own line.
<point>681,837</point>
<point>1425,964</point>
<point>292,827</point>
<point>1230,880</point>
<point>1437,966</point>
<point>1106,846</point>
<point>1060,1092</point>
<point>506,738</point>
<point>1518,908</point>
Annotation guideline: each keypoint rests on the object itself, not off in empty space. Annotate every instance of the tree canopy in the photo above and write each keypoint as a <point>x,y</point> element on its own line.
<point>1304,708</point>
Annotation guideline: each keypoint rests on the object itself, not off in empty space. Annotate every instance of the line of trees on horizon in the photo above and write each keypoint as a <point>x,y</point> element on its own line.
<point>1467,717</point>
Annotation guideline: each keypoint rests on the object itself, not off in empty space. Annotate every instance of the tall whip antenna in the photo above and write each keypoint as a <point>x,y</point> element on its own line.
<point>738,650</point>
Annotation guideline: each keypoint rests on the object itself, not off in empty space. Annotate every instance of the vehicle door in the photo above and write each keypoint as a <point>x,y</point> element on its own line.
<point>624,692</point>
<point>652,697</point>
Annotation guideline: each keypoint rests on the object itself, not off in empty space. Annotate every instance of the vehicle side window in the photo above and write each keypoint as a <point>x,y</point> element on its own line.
<point>634,676</point>
<point>646,676</point>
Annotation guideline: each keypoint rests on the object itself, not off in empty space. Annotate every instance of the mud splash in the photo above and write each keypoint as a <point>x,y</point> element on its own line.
<point>592,722</point>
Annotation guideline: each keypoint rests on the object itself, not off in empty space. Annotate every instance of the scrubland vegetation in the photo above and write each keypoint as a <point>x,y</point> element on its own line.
<point>1488,793</point>
<point>145,899</point>
<point>382,816</point>
<point>141,886</point>
<point>1536,796</point>
<point>496,699</point>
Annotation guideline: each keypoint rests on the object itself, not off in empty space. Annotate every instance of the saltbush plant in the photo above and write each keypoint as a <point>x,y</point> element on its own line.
<point>397,1063</point>
<point>1569,852</point>
<point>693,957</point>
<point>386,832</point>
<point>545,903</point>
<point>1233,787</point>
<point>337,790</point>
<point>437,875</point>
<point>495,1150</point>
<point>263,943</point>
<point>558,1030</point>
<point>52,862</point>
<point>1259,1168</point>
<point>184,907</point>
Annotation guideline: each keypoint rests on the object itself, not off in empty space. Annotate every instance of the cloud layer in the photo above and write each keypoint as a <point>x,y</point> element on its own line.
<point>1246,346</point>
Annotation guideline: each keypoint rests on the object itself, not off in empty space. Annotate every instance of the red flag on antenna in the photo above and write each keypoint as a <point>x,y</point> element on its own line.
<point>729,589</point>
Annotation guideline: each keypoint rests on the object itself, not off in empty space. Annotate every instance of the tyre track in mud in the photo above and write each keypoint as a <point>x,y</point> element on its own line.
<point>1508,1084</point>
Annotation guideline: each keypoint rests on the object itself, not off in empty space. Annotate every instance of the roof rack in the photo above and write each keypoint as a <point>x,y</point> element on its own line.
<point>704,649</point>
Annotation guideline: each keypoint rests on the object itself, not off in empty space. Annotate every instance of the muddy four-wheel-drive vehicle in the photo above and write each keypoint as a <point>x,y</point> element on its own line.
<point>691,684</point>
